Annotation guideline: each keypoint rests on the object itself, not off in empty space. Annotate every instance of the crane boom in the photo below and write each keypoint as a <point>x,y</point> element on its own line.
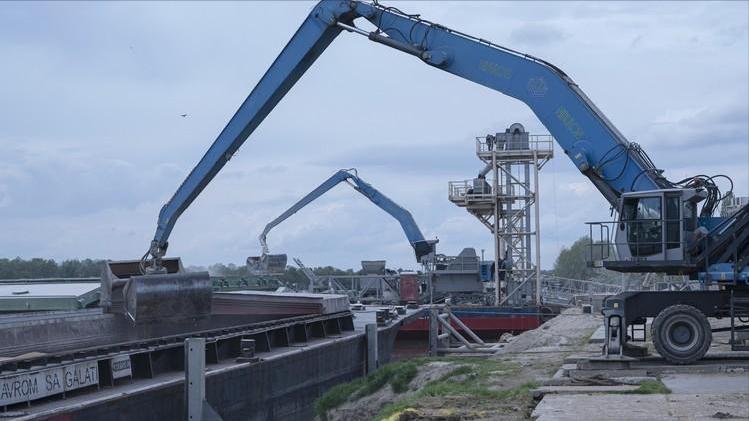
<point>596,147</point>
<point>421,246</point>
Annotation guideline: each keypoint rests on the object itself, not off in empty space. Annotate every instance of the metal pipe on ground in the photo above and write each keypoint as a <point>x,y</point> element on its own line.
<point>455,333</point>
<point>465,328</point>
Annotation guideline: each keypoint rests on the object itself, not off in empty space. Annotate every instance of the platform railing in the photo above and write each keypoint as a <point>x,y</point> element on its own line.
<point>467,190</point>
<point>542,144</point>
<point>601,247</point>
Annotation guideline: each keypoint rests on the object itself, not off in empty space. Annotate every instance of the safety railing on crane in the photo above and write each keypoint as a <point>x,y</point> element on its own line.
<point>643,238</point>
<point>562,291</point>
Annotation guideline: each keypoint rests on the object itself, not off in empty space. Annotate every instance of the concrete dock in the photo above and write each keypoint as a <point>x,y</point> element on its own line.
<point>716,387</point>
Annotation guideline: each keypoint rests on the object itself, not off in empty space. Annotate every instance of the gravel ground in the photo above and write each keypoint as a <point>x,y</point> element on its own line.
<point>530,357</point>
<point>671,407</point>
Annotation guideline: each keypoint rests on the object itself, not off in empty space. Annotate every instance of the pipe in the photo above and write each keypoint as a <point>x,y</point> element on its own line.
<point>465,328</point>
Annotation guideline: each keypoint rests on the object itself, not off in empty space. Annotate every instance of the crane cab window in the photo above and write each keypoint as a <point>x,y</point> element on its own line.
<point>642,217</point>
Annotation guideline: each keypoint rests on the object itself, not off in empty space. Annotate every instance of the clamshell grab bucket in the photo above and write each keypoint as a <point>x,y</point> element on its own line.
<point>176,294</point>
<point>267,264</point>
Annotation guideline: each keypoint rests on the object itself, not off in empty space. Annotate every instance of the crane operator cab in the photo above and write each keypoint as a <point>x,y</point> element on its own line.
<point>657,231</point>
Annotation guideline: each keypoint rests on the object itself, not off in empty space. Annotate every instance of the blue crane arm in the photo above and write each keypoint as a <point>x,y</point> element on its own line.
<point>323,188</point>
<point>591,141</point>
<point>421,246</point>
<point>309,41</point>
<point>596,147</point>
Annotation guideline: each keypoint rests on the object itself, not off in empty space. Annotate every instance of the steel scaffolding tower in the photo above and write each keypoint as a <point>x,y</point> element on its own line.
<point>504,197</point>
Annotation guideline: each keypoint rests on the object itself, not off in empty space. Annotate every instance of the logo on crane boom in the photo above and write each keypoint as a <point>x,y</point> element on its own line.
<point>569,122</point>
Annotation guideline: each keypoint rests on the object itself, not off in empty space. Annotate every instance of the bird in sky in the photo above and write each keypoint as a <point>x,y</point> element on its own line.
<point>183,115</point>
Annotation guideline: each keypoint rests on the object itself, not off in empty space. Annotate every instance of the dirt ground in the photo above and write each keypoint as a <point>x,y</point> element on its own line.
<point>499,386</point>
<point>483,388</point>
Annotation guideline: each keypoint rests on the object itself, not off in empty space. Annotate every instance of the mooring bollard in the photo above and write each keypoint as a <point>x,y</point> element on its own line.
<point>247,351</point>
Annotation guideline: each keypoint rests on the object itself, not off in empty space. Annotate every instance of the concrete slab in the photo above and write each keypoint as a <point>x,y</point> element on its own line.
<point>576,358</point>
<point>581,374</point>
<point>599,336</point>
<point>616,407</point>
<point>713,383</point>
<point>574,390</point>
<point>634,379</point>
<point>657,366</point>
<point>615,362</point>
<point>568,367</point>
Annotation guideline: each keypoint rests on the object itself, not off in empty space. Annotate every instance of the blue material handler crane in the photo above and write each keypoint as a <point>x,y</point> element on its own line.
<point>273,263</point>
<point>663,226</point>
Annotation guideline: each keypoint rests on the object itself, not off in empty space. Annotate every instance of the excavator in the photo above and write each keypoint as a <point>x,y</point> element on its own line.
<point>274,263</point>
<point>663,226</point>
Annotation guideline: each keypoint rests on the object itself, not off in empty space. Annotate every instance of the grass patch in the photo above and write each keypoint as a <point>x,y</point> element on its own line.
<point>479,365</point>
<point>337,395</point>
<point>474,385</point>
<point>402,377</point>
<point>398,375</point>
<point>446,388</point>
<point>651,387</point>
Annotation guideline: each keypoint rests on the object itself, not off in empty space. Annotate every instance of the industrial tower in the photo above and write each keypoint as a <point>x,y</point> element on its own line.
<point>504,197</point>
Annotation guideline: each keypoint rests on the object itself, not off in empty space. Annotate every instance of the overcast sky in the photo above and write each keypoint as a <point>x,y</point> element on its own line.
<point>92,142</point>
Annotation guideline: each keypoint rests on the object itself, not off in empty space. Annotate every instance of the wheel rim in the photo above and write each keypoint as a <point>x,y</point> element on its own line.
<point>682,333</point>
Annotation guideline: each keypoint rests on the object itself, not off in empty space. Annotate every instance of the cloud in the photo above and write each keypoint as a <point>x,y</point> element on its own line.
<point>46,178</point>
<point>420,158</point>
<point>5,199</point>
<point>537,35</point>
<point>578,189</point>
<point>93,145</point>
<point>720,128</point>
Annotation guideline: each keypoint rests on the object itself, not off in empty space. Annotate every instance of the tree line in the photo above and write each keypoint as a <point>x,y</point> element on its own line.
<point>48,268</point>
<point>571,263</point>
<point>35,268</point>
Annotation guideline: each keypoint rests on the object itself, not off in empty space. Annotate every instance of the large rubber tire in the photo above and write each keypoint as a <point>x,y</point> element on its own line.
<point>681,334</point>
